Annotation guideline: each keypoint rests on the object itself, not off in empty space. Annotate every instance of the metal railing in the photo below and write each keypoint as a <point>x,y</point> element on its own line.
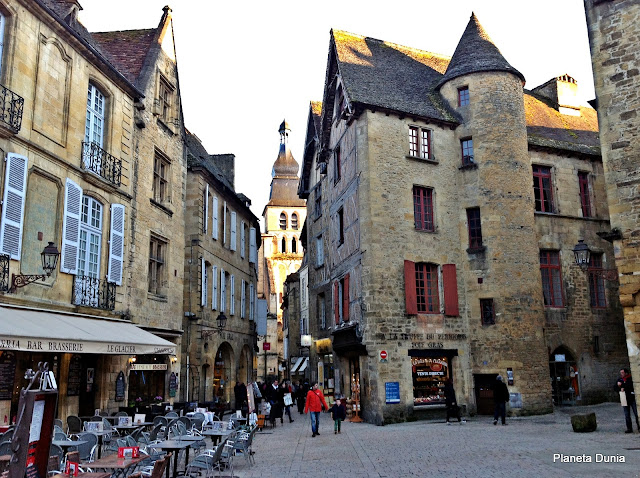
<point>93,292</point>
<point>11,107</point>
<point>4,273</point>
<point>97,160</point>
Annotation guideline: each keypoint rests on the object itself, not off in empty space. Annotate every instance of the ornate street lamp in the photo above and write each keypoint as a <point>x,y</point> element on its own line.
<point>583,259</point>
<point>221,321</point>
<point>50,256</point>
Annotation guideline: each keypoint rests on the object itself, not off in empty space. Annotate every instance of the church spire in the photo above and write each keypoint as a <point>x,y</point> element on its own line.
<point>284,182</point>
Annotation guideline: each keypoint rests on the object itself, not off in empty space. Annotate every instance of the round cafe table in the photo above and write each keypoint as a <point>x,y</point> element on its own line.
<point>66,444</point>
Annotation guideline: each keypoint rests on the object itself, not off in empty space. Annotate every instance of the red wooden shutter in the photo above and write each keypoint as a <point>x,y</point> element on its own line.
<point>345,299</point>
<point>410,299</point>
<point>336,302</point>
<point>450,290</point>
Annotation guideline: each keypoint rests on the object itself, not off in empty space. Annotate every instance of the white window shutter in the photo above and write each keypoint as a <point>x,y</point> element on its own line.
<point>116,244</point>
<point>253,252</point>
<point>214,231</point>
<point>243,299</point>
<point>251,301</point>
<point>234,227</point>
<point>15,191</point>
<point>232,301</point>
<point>224,223</point>
<point>71,228</point>
<point>203,285</point>
<point>205,219</point>
<point>223,291</point>
<point>214,288</point>
<point>242,240</point>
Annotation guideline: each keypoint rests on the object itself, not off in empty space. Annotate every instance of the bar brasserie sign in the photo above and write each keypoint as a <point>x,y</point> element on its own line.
<point>87,347</point>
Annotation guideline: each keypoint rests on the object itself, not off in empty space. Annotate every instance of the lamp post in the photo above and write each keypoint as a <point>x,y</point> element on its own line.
<point>49,255</point>
<point>583,260</point>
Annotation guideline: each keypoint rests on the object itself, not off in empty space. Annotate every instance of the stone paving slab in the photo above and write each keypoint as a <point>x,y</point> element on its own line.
<point>477,448</point>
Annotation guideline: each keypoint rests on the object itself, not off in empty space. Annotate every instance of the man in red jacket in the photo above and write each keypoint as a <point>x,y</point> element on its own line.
<point>315,404</point>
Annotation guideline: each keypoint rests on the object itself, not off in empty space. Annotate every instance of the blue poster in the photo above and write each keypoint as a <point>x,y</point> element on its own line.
<point>392,390</point>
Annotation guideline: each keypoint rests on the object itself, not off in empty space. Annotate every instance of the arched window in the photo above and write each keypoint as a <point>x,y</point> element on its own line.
<point>294,245</point>
<point>284,244</point>
<point>294,221</point>
<point>283,220</point>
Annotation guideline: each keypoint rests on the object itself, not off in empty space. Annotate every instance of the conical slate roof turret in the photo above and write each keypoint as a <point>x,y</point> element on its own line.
<point>476,52</point>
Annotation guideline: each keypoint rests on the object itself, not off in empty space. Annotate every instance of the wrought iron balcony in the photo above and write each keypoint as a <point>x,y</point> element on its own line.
<point>97,160</point>
<point>4,273</point>
<point>11,107</point>
<point>93,292</point>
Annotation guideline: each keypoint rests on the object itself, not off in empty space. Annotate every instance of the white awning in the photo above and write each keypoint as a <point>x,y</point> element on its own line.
<point>42,331</point>
<point>297,364</point>
<point>304,365</point>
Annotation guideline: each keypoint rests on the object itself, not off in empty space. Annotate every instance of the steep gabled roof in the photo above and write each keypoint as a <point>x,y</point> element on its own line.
<point>476,52</point>
<point>391,76</point>
<point>314,125</point>
<point>127,49</point>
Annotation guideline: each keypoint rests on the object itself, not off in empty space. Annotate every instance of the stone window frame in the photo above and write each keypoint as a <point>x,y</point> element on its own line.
<point>466,150</point>
<point>340,219</point>
<point>540,173</point>
<point>551,272</point>
<point>160,189</point>
<point>597,286</point>
<point>157,274</point>
<point>337,164</point>
<point>284,221</point>
<point>584,184</point>
<point>474,228</point>
<point>418,137</point>
<point>487,311</point>
<point>424,205</point>
<point>463,95</point>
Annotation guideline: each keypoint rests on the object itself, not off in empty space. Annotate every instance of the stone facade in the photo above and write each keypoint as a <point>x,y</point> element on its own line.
<point>51,61</point>
<point>613,30</point>
<point>221,269</point>
<point>487,310</point>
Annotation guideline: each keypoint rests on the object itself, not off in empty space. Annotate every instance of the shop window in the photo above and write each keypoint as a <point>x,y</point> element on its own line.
<point>542,188</point>
<point>597,291</point>
<point>429,376</point>
<point>551,278</point>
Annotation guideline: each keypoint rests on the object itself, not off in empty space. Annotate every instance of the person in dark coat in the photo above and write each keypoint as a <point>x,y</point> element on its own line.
<point>282,390</point>
<point>276,403</point>
<point>338,413</point>
<point>453,410</point>
<point>500,398</point>
<point>302,396</point>
<point>625,384</point>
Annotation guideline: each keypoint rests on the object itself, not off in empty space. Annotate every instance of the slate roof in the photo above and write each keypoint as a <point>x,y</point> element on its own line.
<point>391,76</point>
<point>476,52</point>
<point>127,49</point>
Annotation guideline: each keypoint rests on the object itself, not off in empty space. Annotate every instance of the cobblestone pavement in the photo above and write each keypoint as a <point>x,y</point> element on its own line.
<point>524,448</point>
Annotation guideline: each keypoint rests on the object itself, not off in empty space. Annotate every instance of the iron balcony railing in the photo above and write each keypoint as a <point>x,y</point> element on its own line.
<point>4,273</point>
<point>93,292</point>
<point>97,160</point>
<point>11,107</point>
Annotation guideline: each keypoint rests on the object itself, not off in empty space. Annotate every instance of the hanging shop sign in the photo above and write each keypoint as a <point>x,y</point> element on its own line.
<point>148,366</point>
<point>305,341</point>
<point>266,346</point>
<point>120,387</point>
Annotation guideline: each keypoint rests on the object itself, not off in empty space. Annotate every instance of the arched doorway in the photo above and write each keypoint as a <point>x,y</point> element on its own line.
<point>223,374</point>
<point>245,370</point>
<point>565,385</point>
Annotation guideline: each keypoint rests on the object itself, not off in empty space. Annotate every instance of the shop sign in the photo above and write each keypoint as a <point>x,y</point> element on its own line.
<point>173,384</point>
<point>515,400</point>
<point>305,341</point>
<point>82,347</point>
<point>392,392</point>
<point>323,346</point>
<point>266,346</point>
<point>120,386</point>
<point>429,375</point>
<point>148,366</point>
<point>383,356</point>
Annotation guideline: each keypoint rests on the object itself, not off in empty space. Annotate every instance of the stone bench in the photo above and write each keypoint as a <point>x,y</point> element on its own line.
<point>584,423</point>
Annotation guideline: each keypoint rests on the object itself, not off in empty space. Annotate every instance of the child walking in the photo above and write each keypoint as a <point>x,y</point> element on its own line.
<point>339,413</point>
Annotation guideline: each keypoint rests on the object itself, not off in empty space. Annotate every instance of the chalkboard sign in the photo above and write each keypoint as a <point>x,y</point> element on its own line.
<point>75,376</point>
<point>7,374</point>
<point>173,384</point>
<point>120,386</point>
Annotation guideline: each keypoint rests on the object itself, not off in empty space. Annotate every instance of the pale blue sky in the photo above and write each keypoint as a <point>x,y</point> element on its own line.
<point>247,65</point>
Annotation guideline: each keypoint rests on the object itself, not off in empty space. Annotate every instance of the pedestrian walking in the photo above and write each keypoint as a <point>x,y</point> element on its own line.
<point>315,404</point>
<point>500,398</point>
<point>284,397</point>
<point>338,413</point>
<point>624,385</point>
<point>275,402</point>
<point>302,396</point>
<point>453,410</point>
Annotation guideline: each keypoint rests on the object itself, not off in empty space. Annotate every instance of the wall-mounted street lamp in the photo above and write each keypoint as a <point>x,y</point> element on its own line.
<point>133,359</point>
<point>221,322</point>
<point>49,255</point>
<point>583,259</point>
<point>173,359</point>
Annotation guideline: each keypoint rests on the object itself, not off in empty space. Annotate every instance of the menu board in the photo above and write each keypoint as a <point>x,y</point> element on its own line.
<point>173,384</point>
<point>75,375</point>
<point>7,373</point>
<point>120,386</point>
<point>429,375</point>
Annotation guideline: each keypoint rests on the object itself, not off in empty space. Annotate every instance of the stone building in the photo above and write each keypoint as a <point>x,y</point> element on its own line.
<point>79,125</point>
<point>220,261</point>
<point>613,28</point>
<point>281,252</point>
<point>448,201</point>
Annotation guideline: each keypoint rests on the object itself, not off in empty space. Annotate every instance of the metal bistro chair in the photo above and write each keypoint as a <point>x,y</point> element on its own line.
<point>171,415</point>
<point>242,444</point>
<point>157,471</point>
<point>160,420</point>
<point>60,436</point>
<point>87,450</point>
<point>206,461</point>
<point>121,414</point>
<point>57,452</point>
<point>58,422</point>
<point>5,448</point>
<point>186,421</point>
<point>74,424</point>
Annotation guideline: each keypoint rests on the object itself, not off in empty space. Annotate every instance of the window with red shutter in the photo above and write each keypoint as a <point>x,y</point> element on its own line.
<point>449,278</point>
<point>345,298</point>
<point>410,287</point>
<point>336,302</point>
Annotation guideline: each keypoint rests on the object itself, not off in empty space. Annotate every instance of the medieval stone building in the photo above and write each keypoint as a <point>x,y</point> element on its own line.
<point>92,139</point>
<point>613,29</point>
<point>446,203</point>
<point>220,260</point>
<point>281,252</point>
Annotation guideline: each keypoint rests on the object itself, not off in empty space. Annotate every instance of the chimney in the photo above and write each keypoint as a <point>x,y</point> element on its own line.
<point>226,164</point>
<point>563,92</point>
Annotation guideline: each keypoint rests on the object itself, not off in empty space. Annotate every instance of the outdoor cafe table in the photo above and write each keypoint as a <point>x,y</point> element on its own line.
<point>215,434</point>
<point>100,435</point>
<point>175,446</point>
<point>66,444</point>
<point>83,475</point>
<point>127,429</point>
<point>120,466</point>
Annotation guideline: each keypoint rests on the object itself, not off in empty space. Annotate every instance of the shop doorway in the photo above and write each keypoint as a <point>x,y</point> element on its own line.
<point>484,392</point>
<point>565,386</point>
<point>87,383</point>
<point>222,374</point>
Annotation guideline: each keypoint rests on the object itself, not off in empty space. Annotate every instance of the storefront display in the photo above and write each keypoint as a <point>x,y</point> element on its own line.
<point>429,375</point>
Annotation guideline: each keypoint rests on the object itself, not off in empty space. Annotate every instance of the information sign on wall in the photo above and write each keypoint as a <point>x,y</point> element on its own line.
<point>392,392</point>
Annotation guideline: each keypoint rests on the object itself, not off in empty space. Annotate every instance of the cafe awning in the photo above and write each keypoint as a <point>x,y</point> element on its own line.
<point>297,364</point>
<point>304,365</point>
<point>45,331</point>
